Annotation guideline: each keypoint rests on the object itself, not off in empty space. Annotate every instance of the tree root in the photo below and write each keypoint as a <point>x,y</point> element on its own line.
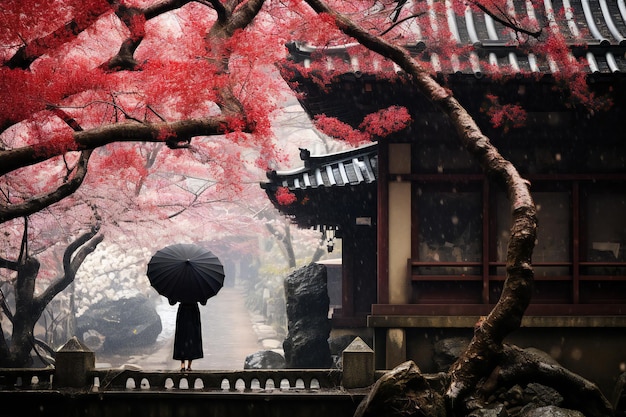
<point>521,366</point>
<point>402,392</point>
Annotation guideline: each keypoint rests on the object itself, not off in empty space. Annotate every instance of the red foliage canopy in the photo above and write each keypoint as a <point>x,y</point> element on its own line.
<point>84,74</point>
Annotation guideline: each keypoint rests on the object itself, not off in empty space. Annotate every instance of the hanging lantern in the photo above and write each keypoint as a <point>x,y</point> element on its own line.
<point>329,236</point>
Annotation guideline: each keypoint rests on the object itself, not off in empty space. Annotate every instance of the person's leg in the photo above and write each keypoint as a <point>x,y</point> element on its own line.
<point>182,366</point>
<point>189,365</point>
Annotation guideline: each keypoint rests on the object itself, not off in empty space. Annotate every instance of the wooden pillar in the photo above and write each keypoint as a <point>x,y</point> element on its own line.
<point>399,244</point>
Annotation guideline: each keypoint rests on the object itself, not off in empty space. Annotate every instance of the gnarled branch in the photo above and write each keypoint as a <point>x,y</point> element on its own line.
<point>12,211</point>
<point>483,352</point>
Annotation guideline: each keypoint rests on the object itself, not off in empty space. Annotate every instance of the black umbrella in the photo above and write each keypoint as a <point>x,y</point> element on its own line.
<point>186,273</point>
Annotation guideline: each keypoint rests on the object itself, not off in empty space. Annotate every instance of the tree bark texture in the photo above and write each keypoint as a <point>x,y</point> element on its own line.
<point>519,366</point>
<point>485,349</point>
<point>29,307</point>
<point>402,392</point>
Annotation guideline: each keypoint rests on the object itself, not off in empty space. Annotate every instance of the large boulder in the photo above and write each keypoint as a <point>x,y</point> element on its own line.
<point>264,359</point>
<point>111,325</point>
<point>306,294</point>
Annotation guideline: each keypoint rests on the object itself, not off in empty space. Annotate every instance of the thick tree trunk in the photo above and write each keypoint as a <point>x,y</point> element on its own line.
<point>29,307</point>
<point>24,319</point>
<point>484,351</point>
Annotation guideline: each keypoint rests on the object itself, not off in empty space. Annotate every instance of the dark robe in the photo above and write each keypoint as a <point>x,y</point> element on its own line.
<point>188,337</point>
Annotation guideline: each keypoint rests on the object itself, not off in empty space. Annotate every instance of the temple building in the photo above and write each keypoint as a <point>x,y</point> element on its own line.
<point>425,230</point>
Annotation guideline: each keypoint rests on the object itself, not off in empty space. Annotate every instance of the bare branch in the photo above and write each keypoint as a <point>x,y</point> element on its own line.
<point>8,264</point>
<point>56,108</point>
<point>399,22</point>
<point>508,21</point>
<point>23,244</point>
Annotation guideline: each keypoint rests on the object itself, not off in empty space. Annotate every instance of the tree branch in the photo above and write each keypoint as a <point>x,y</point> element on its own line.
<point>124,59</point>
<point>5,307</point>
<point>83,246</point>
<point>4,347</point>
<point>399,22</point>
<point>284,242</point>
<point>243,16</point>
<point>508,22</point>
<point>28,53</point>
<point>7,264</point>
<point>483,352</point>
<point>164,7</point>
<point>220,9</point>
<point>13,159</point>
<point>23,256</point>
<point>12,211</point>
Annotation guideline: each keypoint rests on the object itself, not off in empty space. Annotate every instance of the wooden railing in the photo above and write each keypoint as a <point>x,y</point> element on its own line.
<point>568,288</point>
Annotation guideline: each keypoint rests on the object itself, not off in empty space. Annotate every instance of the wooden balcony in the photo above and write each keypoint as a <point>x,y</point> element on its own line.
<point>473,288</point>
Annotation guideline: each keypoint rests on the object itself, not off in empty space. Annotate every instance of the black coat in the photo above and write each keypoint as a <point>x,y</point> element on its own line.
<point>188,337</point>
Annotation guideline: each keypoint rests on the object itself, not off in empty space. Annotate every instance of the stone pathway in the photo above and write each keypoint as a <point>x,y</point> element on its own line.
<point>230,333</point>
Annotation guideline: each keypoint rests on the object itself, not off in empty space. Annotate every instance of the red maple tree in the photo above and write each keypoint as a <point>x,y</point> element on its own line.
<point>198,75</point>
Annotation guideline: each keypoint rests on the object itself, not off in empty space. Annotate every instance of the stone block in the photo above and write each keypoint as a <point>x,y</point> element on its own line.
<point>358,365</point>
<point>74,360</point>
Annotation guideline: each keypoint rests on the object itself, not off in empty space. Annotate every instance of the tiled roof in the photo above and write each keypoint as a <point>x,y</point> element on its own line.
<point>596,30</point>
<point>328,187</point>
<point>350,167</point>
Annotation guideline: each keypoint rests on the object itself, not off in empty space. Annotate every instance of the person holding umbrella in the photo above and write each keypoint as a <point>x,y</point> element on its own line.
<point>188,274</point>
<point>188,335</point>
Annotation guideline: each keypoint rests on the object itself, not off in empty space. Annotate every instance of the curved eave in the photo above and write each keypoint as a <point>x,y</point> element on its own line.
<point>347,168</point>
<point>330,189</point>
<point>595,30</point>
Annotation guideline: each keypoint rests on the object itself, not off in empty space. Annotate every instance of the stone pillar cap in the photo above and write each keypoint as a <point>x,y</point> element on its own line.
<point>358,345</point>
<point>74,345</point>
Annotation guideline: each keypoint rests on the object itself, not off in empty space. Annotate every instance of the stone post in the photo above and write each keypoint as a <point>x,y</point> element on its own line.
<point>73,362</point>
<point>358,365</point>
